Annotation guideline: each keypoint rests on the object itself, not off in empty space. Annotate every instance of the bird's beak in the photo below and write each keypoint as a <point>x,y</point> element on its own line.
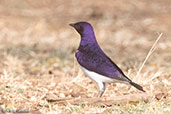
<point>72,25</point>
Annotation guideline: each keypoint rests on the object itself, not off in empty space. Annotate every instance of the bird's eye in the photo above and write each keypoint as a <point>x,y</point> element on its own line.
<point>79,28</point>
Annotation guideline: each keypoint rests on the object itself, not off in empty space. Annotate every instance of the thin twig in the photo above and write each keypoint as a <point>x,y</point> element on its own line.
<point>148,55</point>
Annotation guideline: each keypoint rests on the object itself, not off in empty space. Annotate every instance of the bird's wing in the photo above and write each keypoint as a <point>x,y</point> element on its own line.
<point>101,64</point>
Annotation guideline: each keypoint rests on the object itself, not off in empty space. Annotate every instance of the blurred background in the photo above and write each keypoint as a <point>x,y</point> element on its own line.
<point>111,17</point>
<point>37,43</point>
<point>31,29</point>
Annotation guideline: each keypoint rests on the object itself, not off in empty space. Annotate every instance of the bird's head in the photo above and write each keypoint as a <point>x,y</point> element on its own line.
<point>83,28</point>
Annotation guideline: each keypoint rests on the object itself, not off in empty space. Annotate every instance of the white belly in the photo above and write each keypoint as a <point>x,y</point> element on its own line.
<point>97,77</point>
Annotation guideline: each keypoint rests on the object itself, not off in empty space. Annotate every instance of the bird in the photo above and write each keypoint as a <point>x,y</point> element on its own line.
<point>95,63</point>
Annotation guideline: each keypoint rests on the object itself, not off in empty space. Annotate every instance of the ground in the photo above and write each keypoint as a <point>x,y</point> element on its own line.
<point>39,72</point>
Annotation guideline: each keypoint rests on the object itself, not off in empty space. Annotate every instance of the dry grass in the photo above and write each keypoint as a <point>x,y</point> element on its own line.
<point>39,72</point>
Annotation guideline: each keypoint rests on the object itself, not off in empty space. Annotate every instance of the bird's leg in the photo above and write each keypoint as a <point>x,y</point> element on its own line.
<point>100,93</point>
<point>102,87</point>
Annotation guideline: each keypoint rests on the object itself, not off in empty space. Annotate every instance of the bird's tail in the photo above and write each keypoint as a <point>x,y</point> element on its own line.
<point>137,86</point>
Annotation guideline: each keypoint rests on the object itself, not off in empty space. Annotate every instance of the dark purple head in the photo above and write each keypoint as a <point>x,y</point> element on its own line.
<point>83,28</point>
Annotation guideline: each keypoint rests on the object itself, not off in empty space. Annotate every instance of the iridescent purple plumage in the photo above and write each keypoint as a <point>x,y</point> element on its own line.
<point>91,57</point>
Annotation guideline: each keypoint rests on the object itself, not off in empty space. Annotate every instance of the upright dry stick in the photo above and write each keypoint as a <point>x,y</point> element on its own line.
<point>148,55</point>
